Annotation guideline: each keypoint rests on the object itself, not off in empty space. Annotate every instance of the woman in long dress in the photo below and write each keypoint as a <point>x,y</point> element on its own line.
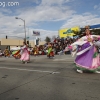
<point>88,57</point>
<point>25,56</point>
<point>36,51</point>
<point>50,51</point>
<point>6,52</point>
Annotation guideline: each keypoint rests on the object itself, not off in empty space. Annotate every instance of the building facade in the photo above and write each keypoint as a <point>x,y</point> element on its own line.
<point>16,42</point>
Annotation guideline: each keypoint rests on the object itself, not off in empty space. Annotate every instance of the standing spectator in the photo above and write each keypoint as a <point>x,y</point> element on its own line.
<point>0,53</point>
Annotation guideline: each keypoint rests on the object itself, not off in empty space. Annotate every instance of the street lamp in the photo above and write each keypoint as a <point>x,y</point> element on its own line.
<point>26,32</point>
<point>24,26</point>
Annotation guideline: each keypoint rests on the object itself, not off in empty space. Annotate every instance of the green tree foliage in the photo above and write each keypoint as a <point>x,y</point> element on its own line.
<point>48,39</point>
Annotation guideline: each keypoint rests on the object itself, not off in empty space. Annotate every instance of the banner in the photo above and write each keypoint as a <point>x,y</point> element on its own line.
<point>63,33</point>
<point>36,33</point>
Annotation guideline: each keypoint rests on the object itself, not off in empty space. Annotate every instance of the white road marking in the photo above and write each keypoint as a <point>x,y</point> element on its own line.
<point>60,60</point>
<point>28,70</point>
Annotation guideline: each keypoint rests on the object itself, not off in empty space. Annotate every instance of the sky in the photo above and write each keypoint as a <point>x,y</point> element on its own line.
<point>45,16</point>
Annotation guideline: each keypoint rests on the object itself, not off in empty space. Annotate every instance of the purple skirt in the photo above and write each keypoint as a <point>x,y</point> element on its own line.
<point>85,60</point>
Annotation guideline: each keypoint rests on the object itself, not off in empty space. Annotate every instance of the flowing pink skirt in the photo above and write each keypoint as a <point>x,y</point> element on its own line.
<point>25,56</point>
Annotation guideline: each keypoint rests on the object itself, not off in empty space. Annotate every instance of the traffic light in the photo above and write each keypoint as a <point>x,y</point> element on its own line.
<point>6,36</point>
<point>37,42</point>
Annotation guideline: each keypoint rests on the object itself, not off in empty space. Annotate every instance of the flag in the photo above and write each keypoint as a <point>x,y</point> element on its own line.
<point>36,33</point>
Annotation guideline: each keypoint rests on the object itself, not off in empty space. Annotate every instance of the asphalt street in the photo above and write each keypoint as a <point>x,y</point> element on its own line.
<point>46,79</point>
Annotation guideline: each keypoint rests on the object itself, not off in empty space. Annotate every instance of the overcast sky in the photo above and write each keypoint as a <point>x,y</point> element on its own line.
<point>46,16</point>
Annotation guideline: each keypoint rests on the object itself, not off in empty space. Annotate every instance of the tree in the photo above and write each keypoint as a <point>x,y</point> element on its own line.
<point>48,39</point>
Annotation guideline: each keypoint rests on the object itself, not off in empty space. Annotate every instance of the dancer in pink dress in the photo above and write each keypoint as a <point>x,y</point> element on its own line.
<point>25,56</point>
<point>87,57</point>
